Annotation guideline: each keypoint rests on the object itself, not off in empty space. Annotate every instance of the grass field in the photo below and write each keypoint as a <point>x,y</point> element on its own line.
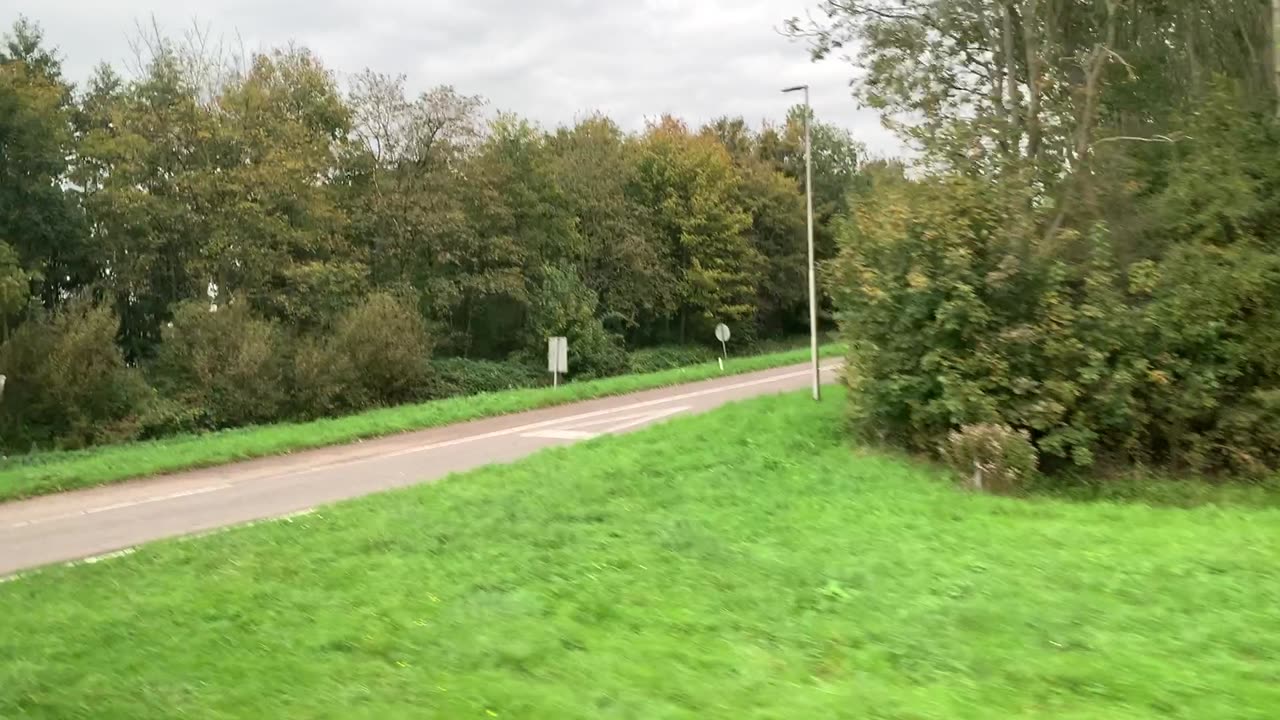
<point>741,564</point>
<point>49,472</point>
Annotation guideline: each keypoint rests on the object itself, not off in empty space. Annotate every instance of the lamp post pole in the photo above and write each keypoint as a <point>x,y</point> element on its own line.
<point>813,278</point>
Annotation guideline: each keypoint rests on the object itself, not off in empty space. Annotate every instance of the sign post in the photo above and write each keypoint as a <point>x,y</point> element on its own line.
<point>722,334</point>
<point>557,358</point>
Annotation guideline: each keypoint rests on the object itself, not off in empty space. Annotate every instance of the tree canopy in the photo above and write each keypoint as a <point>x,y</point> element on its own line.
<point>264,188</point>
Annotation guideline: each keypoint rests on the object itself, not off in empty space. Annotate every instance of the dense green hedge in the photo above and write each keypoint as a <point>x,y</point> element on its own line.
<point>956,312</point>
<point>669,356</point>
<point>462,376</point>
<point>70,387</point>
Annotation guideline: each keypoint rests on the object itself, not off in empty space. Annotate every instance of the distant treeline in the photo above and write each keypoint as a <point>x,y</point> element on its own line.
<point>204,242</point>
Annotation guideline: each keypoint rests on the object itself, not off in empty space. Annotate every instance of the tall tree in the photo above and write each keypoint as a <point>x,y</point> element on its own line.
<point>142,146</point>
<point>594,164</point>
<point>402,184</point>
<point>690,182</point>
<point>1275,51</point>
<point>40,216</point>
<point>278,235</point>
<point>517,203</point>
<point>1038,87</point>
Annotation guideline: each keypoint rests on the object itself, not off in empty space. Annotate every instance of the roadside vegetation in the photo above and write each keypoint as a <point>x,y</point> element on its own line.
<point>205,242</point>
<point>743,563</point>
<point>1086,272</point>
<point>48,472</point>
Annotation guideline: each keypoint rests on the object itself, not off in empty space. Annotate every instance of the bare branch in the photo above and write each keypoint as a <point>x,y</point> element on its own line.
<point>1175,138</point>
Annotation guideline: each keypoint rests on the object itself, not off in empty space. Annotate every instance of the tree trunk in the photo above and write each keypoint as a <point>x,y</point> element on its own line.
<point>1031,47</point>
<point>1014,108</point>
<point>1275,50</point>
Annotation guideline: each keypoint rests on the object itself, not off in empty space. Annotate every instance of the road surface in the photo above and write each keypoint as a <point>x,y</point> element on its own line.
<point>91,523</point>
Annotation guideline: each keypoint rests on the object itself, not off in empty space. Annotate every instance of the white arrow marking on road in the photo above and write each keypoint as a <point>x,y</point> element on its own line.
<point>526,430</point>
<point>615,424</point>
<point>626,422</point>
<point>559,434</point>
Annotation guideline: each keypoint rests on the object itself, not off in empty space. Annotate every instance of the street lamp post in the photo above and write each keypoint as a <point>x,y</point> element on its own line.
<point>813,279</point>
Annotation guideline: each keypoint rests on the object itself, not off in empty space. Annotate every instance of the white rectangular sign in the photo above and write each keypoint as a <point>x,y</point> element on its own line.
<point>558,355</point>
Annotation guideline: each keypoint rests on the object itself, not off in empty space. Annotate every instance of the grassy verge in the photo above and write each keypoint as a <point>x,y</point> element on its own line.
<point>740,564</point>
<point>43,473</point>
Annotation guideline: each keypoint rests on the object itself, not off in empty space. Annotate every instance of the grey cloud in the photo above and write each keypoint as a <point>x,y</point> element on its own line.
<point>550,60</point>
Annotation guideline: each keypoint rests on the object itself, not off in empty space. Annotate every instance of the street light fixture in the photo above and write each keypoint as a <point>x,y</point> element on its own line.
<point>813,280</point>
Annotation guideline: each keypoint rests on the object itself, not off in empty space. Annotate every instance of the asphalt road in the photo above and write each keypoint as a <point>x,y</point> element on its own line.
<point>88,524</point>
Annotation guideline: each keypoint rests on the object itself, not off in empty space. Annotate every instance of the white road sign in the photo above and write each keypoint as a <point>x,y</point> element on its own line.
<point>557,358</point>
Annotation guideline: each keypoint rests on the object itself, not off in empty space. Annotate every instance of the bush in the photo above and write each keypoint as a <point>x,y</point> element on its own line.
<point>385,341</point>
<point>956,313</point>
<point>226,366</point>
<point>991,458</point>
<point>669,357</point>
<point>564,306</point>
<point>322,380</point>
<point>463,376</point>
<point>67,382</point>
<point>952,318</point>
<point>1212,331</point>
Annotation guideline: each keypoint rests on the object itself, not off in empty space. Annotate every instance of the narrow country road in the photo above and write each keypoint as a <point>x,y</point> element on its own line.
<point>89,523</point>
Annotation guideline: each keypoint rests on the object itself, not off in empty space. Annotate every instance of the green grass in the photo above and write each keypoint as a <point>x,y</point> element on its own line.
<point>49,472</point>
<point>741,564</point>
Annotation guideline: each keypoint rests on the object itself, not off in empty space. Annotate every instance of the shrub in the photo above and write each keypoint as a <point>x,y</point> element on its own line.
<point>322,380</point>
<point>952,318</point>
<point>385,341</point>
<point>956,312</point>
<point>669,357</point>
<point>463,376</point>
<point>227,366</point>
<point>991,458</point>
<point>1212,332</point>
<point>564,306</point>
<point>67,381</point>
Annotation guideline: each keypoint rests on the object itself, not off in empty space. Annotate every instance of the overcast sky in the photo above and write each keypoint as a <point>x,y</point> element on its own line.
<point>550,60</point>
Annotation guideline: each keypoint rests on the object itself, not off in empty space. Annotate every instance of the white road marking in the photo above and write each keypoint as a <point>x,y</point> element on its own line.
<point>638,416</point>
<point>521,429</point>
<point>575,433</point>
<point>529,430</point>
<point>122,505</point>
<point>558,434</point>
<point>624,423</point>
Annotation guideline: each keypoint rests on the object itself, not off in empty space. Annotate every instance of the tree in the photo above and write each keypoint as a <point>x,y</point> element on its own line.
<point>1090,255</point>
<point>690,183</point>
<point>1275,51</point>
<point>15,287</point>
<point>278,236</point>
<point>771,164</point>
<point>143,146</point>
<point>386,344</point>
<point>225,365</point>
<point>777,234</point>
<point>594,163</point>
<point>402,186</point>
<point>515,203</point>
<point>837,160</point>
<point>1052,92</point>
<point>68,383</point>
<point>562,305</point>
<point>40,216</point>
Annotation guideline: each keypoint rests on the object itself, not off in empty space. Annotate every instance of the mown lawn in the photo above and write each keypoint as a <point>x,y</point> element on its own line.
<point>741,564</point>
<point>49,472</point>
